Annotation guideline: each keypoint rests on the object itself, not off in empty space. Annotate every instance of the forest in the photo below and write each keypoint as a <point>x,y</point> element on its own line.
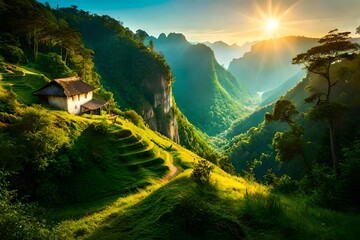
<point>193,152</point>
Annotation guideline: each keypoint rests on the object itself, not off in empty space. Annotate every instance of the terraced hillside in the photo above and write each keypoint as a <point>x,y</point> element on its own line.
<point>103,159</point>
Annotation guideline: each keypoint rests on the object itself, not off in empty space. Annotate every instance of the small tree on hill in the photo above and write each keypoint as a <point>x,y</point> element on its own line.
<point>289,143</point>
<point>201,172</point>
<point>333,47</point>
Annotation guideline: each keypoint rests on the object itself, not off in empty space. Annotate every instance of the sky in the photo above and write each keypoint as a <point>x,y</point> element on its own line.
<point>231,21</point>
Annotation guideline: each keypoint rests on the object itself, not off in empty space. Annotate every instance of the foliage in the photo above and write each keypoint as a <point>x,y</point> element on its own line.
<point>12,54</point>
<point>259,209</point>
<point>47,34</point>
<point>283,111</point>
<point>142,77</point>
<point>53,65</point>
<point>333,47</point>
<point>326,111</point>
<point>134,118</point>
<point>19,220</point>
<point>201,171</point>
<point>100,127</point>
<point>193,139</point>
<point>350,178</point>
<point>42,134</point>
<point>287,144</point>
<point>283,184</point>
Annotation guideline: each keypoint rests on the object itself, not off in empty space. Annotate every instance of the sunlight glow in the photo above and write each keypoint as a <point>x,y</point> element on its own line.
<point>271,25</point>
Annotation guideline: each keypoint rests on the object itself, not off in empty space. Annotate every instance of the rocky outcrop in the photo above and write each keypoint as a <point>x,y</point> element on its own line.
<point>159,114</point>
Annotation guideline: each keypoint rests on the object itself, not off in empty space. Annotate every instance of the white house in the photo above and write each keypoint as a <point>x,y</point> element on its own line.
<point>70,94</point>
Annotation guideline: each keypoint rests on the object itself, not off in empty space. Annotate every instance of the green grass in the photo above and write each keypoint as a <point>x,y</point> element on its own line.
<point>23,82</point>
<point>183,210</point>
<point>122,190</point>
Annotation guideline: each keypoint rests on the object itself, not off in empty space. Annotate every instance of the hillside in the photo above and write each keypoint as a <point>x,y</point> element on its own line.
<point>123,174</point>
<point>251,133</point>
<point>60,50</point>
<point>140,73</point>
<point>111,179</point>
<point>208,95</point>
<point>268,64</point>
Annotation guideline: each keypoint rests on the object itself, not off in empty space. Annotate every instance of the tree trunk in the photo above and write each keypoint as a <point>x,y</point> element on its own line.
<point>333,146</point>
<point>306,162</point>
<point>66,56</point>
<point>36,45</point>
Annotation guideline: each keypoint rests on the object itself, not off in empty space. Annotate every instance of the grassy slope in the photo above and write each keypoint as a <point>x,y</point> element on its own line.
<point>228,208</point>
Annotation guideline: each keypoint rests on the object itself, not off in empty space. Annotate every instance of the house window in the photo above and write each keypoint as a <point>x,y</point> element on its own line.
<point>79,97</point>
<point>73,99</point>
<point>85,95</point>
<point>75,106</point>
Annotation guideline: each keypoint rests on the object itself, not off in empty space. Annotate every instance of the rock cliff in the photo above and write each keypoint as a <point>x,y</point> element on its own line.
<point>139,78</point>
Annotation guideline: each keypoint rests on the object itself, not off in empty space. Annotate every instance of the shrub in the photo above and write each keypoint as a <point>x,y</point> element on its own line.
<point>261,209</point>
<point>134,118</point>
<point>350,178</point>
<point>101,127</point>
<point>53,65</point>
<point>19,220</point>
<point>12,54</point>
<point>201,172</point>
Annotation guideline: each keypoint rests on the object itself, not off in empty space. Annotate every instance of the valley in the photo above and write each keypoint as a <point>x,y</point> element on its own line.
<point>196,140</point>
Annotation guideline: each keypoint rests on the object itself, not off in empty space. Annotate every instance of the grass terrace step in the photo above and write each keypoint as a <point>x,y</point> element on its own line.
<point>139,152</point>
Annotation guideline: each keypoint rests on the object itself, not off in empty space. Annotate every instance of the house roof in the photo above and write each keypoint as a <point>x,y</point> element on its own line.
<point>94,104</point>
<point>65,87</point>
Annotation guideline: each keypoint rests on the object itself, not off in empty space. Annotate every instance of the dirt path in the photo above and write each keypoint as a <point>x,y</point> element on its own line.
<point>173,169</point>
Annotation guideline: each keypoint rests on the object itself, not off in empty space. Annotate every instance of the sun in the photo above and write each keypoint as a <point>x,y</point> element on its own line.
<point>271,25</point>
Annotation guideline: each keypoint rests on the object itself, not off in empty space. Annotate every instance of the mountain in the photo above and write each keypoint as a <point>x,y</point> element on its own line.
<point>140,73</point>
<point>225,53</point>
<point>268,64</point>
<point>65,176</point>
<point>250,138</point>
<point>272,95</point>
<point>208,95</point>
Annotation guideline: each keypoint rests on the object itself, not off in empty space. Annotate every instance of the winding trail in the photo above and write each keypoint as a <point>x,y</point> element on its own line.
<point>173,169</point>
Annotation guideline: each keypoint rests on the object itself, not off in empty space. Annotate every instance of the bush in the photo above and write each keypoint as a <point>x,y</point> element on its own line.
<point>201,172</point>
<point>19,220</point>
<point>53,65</point>
<point>350,177</point>
<point>261,209</point>
<point>12,53</point>
<point>194,215</point>
<point>101,127</point>
<point>134,118</point>
<point>324,186</point>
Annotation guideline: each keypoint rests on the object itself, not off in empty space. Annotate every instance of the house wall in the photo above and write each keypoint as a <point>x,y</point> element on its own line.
<point>58,102</point>
<point>74,103</point>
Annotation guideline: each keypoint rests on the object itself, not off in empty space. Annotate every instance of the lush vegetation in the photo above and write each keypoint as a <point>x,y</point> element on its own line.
<point>140,73</point>
<point>301,146</point>
<point>99,177</point>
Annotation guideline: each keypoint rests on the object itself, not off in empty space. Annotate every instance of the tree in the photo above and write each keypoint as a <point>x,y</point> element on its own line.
<point>289,143</point>
<point>141,35</point>
<point>333,47</point>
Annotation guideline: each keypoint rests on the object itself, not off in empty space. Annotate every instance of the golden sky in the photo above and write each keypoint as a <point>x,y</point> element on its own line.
<point>232,21</point>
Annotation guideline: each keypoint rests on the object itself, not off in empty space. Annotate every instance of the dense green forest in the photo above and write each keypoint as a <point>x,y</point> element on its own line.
<point>287,170</point>
<point>257,150</point>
